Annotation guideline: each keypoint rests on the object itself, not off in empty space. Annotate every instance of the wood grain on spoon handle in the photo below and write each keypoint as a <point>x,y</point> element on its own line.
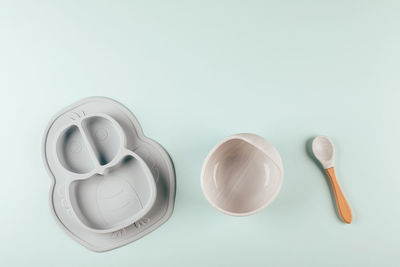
<point>341,202</point>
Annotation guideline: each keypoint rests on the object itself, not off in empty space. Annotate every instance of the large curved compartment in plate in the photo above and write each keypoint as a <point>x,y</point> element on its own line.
<point>108,193</point>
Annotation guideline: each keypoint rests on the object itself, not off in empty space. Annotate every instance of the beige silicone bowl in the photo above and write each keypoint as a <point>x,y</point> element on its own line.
<point>242,175</point>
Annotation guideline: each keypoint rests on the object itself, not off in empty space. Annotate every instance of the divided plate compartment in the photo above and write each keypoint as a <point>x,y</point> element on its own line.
<point>111,184</point>
<point>110,187</point>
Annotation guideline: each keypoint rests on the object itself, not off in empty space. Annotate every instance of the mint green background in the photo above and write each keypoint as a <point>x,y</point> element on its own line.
<point>194,72</point>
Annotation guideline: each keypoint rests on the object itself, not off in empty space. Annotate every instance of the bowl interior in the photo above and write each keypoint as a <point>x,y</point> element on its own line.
<point>239,178</point>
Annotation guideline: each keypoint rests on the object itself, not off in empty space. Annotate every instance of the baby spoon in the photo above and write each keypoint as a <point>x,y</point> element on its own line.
<point>324,151</point>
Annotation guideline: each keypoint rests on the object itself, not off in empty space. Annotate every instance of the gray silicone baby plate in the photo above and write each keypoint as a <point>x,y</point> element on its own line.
<point>111,184</point>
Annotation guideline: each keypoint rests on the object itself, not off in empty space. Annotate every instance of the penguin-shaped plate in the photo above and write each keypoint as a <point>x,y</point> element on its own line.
<point>111,184</point>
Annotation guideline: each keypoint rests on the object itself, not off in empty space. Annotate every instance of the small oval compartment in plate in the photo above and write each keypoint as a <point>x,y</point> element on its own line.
<point>109,202</point>
<point>72,151</point>
<point>105,137</point>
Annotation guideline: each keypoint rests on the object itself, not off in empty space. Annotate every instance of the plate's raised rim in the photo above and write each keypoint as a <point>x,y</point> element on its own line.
<point>167,158</point>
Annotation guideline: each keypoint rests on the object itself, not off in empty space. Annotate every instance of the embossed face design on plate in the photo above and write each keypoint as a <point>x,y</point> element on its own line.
<point>110,187</point>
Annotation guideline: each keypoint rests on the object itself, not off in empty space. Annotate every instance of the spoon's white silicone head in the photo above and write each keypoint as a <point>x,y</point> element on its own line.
<point>324,151</point>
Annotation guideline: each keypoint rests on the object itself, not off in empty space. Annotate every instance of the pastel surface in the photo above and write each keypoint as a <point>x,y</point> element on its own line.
<point>194,72</point>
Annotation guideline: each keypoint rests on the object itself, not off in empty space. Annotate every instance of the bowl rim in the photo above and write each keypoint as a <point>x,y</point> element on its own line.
<point>242,136</point>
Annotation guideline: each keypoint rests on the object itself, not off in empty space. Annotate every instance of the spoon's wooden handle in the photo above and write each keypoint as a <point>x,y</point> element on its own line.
<point>341,202</point>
